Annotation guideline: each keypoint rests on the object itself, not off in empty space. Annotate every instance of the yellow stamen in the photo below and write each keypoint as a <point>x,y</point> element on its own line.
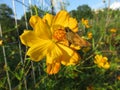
<point>59,35</point>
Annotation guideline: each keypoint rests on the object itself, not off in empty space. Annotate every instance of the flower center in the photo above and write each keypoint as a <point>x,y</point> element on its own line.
<point>59,35</point>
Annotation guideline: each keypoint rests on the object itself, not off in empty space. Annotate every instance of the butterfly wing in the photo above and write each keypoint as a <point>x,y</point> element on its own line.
<point>79,41</point>
<point>75,39</point>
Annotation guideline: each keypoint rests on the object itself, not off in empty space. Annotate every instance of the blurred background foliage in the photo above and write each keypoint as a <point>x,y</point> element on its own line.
<point>86,75</point>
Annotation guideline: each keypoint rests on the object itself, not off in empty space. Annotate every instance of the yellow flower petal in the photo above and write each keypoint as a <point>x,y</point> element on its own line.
<point>113,30</point>
<point>73,24</point>
<point>62,18</point>
<point>34,20</point>
<point>89,35</point>
<point>1,42</point>
<point>53,68</point>
<point>74,59</point>
<point>106,66</point>
<point>54,53</point>
<point>39,50</point>
<point>70,57</point>
<point>98,57</point>
<point>48,18</point>
<point>41,29</point>
<point>75,47</point>
<point>87,26</point>
<point>29,38</point>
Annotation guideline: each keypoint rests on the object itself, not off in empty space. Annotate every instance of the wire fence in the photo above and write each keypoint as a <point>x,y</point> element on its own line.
<point>19,69</point>
<point>24,69</point>
<point>18,72</point>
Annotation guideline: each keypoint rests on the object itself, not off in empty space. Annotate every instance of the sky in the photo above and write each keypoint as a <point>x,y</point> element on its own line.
<point>73,4</point>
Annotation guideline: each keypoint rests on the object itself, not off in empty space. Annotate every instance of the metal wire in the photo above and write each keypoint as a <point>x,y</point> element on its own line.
<point>33,73</point>
<point>19,44</point>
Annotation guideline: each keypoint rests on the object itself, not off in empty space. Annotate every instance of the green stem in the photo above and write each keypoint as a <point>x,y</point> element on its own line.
<point>5,60</point>
<point>36,11</point>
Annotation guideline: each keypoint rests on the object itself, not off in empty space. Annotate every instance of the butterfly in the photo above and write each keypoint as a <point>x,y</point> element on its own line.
<point>75,39</point>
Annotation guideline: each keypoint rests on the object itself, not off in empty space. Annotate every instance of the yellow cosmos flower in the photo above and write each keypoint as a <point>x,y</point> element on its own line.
<point>113,30</point>
<point>89,35</point>
<point>48,38</point>
<point>1,42</point>
<point>102,62</point>
<point>85,22</point>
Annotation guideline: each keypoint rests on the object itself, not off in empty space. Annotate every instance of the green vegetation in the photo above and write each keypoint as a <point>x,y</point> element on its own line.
<point>27,75</point>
